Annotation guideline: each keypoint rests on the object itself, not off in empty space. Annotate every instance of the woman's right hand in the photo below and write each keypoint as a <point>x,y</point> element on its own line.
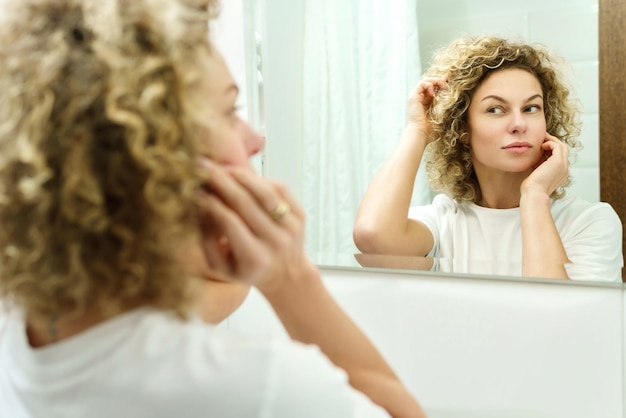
<point>420,100</point>
<point>253,229</point>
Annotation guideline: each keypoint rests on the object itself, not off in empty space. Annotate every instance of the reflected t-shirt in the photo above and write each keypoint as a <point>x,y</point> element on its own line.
<point>481,240</point>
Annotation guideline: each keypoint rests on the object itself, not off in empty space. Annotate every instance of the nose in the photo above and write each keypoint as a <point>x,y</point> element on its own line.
<point>518,123</point>
<point>253,141</point>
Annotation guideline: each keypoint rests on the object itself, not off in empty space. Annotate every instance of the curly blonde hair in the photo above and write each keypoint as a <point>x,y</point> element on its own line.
<point>466,63</point>
<point>102,119</point>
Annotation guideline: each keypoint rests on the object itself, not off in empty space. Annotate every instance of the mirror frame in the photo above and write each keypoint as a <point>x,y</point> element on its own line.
<point>612,85</point>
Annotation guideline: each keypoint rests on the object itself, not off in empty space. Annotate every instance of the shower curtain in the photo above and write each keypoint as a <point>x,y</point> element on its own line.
<point>361,60</point>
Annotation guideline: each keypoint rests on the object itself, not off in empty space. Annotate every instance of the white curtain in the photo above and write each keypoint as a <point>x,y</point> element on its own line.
<point>361,60</point>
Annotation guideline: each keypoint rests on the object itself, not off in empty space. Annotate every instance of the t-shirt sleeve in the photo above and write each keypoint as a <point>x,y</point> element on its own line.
<point>594,245</point>
<point>432,216</point>
<point>304,383</point>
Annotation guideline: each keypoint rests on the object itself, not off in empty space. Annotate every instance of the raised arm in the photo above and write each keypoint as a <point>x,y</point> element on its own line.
<point>382,225</point>
<point>543,254</point>
<point>253,238</point>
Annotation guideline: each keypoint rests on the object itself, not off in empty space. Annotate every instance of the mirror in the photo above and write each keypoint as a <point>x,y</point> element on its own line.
<point>311,118</point>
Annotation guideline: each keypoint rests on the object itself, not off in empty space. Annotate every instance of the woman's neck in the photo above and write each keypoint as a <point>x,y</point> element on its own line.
<point>500,191</point>
<point>499,201</point>
<point>56,328</point>
<point>69,322</point>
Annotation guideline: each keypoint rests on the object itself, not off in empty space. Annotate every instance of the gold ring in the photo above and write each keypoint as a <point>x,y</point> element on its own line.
<point>281,210</point>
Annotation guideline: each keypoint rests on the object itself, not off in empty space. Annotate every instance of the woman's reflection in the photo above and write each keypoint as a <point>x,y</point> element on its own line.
<point>391,261</point>
<point>495,122</point>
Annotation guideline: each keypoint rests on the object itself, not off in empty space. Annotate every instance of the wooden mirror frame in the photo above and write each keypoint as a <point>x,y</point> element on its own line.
<point>612,84</point>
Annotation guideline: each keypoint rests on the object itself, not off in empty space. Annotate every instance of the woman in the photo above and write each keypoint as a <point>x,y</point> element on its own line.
<point>128,205</point>
<point>494,122</point>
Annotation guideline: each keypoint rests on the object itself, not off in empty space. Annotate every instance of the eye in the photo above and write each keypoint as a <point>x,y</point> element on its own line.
<point>233,113</point>
<point>236,110</point>
<point>534,108</point>
<point>495,110</point>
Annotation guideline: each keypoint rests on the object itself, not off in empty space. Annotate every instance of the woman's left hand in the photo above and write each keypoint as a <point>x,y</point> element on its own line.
<point>552,170</point>
<point>253,229</point>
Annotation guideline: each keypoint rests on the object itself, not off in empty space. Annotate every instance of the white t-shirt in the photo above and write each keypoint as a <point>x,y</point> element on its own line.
<point>148,363</point>
<point>474,239</point>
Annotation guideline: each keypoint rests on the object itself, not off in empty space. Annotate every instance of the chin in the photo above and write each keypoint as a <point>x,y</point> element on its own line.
<point>220,300</point>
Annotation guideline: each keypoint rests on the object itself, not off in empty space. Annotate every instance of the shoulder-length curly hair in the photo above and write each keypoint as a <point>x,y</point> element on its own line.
<point>102,119</point>
<point>466,63</point>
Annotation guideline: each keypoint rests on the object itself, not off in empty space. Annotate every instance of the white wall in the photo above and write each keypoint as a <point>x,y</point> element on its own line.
<point>569,27</point>
<point>484,347</point>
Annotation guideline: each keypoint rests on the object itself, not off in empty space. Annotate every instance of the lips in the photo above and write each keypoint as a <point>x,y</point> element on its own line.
<point>517,147</point>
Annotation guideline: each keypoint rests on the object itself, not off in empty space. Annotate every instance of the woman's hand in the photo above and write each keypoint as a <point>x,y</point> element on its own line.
<point>552,170</point>
<point>253,228</point>
<point>420,100</point>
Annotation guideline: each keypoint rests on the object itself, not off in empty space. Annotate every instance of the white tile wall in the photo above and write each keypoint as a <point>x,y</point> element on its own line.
<point>590,155</point>
<point>585,183</point>
<point>571,31</point>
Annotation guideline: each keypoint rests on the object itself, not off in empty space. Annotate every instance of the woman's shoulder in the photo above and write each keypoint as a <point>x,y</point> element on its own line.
<point>281,372</point>
<point>203,365</point>
<point>441,206</point>
<point>576,214</point>
<point>575,205</point>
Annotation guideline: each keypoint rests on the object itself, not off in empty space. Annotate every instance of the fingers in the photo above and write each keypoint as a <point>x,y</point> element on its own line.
<point>265,207</point>
<point>420,99</point>
<point>226,225</point>
<point>428,87</point>
<point>557,148</point>
<point>553,168</point>
<point>253,228</point>
<point>248,206</point>
<point>269,193</point>
<point>286,231</point>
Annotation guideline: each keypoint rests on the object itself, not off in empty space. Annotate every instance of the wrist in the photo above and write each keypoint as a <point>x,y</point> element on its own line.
<point>416,133</point>
<point>290,280</point>
<point>534,196</point>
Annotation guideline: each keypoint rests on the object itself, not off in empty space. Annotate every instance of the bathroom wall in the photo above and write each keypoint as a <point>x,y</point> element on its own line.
<point>569,27</point>
<point>483,347</point>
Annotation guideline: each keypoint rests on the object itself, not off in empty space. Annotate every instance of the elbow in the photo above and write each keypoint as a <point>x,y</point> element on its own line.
<point>366,237</point>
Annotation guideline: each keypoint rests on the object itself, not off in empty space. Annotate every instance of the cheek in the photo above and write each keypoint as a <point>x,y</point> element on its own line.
<point>226,147</point>
<point>484,138</point>
<point>539,129</point>
<point>231,152</point>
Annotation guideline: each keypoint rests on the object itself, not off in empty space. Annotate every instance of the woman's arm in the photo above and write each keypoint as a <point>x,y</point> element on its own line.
<point>543,254</point>
<point>310,315</point>
<point>247,240</point>
<point>382,225</point>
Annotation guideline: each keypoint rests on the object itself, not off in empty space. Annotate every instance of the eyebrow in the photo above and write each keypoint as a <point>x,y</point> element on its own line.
<point>500,99</point>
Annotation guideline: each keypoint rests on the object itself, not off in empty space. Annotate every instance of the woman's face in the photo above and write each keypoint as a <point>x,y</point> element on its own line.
<point>231,140</point>
<point>507,122</point>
